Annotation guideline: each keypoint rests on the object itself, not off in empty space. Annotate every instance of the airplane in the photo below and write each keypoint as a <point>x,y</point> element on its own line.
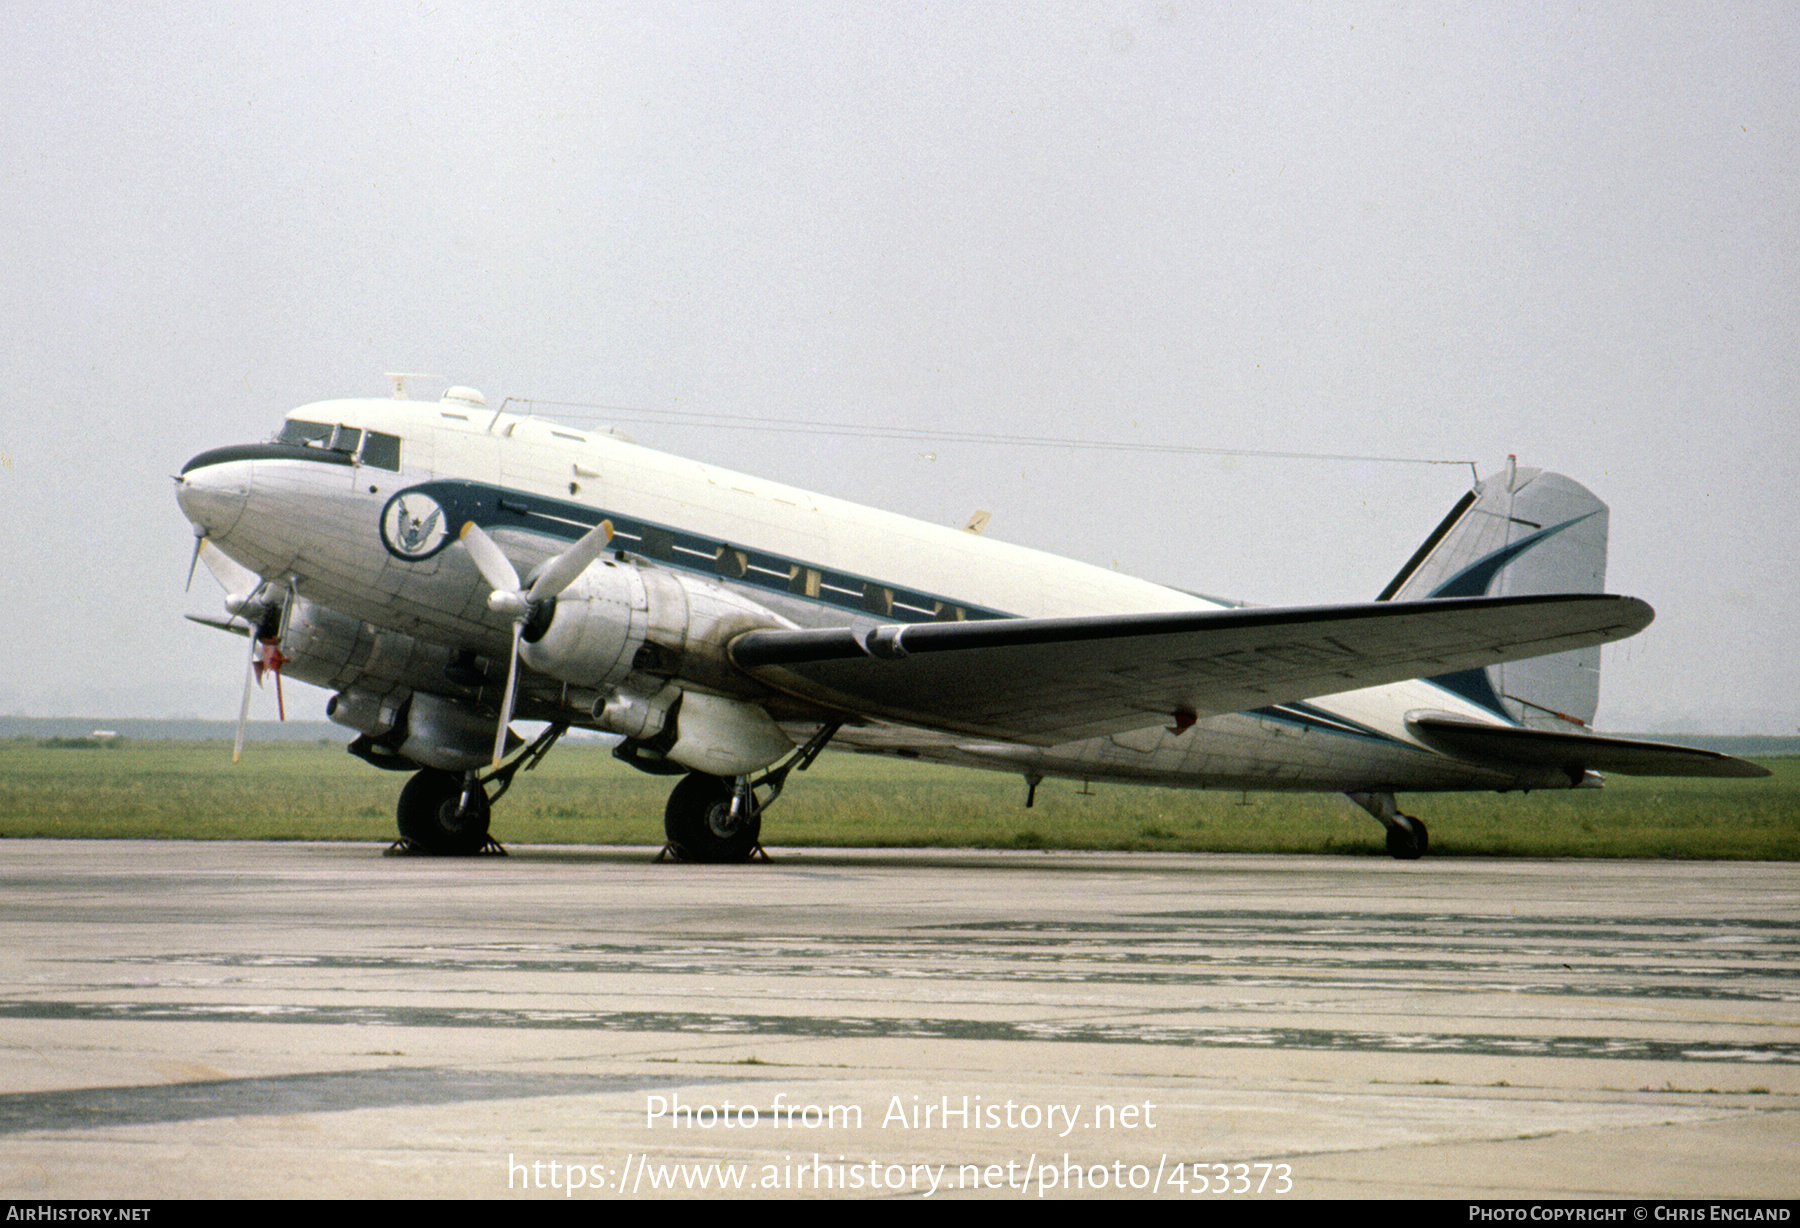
<point>444,568</point>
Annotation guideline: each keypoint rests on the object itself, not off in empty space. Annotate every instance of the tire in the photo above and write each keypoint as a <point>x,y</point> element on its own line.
<point>697,822</point>
<point>428,816</point>
<point>1403,845</point>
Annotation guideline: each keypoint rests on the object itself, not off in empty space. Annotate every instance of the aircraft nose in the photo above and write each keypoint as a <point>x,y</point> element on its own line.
<point>212,493</point>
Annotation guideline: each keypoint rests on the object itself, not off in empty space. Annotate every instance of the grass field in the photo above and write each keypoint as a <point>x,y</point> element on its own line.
<point>579,794</point>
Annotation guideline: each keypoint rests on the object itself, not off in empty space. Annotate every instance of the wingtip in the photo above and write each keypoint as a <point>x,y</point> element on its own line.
<point>1642,612</point>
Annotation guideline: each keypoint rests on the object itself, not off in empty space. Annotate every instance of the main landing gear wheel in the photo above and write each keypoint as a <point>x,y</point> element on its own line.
<point>700,826</point>
<point>432,817</point>
<point>1408,845</point>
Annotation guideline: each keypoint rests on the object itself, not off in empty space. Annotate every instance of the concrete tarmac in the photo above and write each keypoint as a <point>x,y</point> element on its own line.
<point>223,1019</point>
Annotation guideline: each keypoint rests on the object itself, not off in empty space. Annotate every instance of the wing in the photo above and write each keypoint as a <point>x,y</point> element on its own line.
<point>1575,753</point>
<point>1046,681</point>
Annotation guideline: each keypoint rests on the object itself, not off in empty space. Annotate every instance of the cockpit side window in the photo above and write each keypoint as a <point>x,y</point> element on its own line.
<point>381,451</point>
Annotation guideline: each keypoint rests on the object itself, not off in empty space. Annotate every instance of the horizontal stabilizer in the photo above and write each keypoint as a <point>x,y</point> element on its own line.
<point>1051,680</point>
<point>1577,752</point>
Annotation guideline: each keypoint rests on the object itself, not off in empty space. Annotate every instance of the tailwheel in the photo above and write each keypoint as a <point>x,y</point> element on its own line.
<point>710,819</point>
<point>1407,845</point>
<point>444,814</point>
<point>1407,839</point>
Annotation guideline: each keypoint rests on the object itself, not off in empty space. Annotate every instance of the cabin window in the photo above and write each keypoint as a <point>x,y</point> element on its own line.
<point>768,571</point>
<point>841,590</point>
<point>771,572</point>
<point>732,564</point>
<point>915,607</point>
<point>382,451</point>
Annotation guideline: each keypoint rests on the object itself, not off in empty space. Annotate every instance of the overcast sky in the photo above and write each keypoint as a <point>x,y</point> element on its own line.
<point>1565,231</point>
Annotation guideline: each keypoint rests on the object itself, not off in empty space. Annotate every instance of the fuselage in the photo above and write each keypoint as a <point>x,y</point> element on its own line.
<point>357,508</point>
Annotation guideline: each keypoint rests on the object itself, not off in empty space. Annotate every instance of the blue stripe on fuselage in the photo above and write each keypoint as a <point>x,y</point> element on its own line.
<point>492,507</point>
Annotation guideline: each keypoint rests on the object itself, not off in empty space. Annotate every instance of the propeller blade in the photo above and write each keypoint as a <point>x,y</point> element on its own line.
<point>224,624</point>
<point>495,567</point>
<point>565,567</point>
<point>237,747</point>
<point>506,704</point>
<point>199,541</point>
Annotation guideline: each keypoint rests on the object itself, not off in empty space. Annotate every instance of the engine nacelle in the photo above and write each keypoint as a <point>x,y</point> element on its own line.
<point>701,732</point>
<point>596,628</point>
<point>601,625</point>
<point>725,737</point>
<point>645,638</point>
<point>366,711</point>
<point>374,667</point>
<point>653,641</point>
<point>442,733</point>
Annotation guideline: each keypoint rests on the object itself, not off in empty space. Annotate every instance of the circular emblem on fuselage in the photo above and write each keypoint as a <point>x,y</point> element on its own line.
<point>413,526</point>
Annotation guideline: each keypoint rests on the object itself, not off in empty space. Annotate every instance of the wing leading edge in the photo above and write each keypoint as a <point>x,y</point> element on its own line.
<point>1046,681</point>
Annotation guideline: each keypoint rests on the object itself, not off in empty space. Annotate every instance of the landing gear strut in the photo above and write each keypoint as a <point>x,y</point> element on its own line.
<point>445,814</point>
<point>1407,838</point>
<point>719,819</point>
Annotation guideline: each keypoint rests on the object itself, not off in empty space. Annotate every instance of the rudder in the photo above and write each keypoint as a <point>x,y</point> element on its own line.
<point>1520,532</point>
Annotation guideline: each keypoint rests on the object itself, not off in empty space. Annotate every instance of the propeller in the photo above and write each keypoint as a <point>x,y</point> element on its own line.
<point>265,655</point>
<point>510,598</point>
<point>263,607</point>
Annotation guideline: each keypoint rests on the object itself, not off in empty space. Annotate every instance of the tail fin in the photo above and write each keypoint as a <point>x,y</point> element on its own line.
<point>1520,532</point>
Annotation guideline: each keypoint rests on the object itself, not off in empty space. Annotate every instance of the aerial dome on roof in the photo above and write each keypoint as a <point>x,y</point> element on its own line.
<point>467,396</point>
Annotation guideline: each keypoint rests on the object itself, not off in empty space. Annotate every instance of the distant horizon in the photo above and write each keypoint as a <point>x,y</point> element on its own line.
<point>314,730</point>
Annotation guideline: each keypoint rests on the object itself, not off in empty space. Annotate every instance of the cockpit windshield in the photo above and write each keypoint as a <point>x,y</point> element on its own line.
<point>377,449</point>
<point>317,434</point>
